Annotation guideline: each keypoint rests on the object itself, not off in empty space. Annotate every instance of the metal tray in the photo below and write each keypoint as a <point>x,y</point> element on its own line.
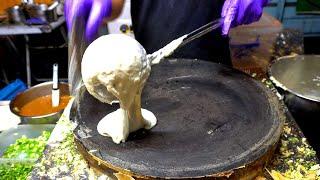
<point>31,131</point>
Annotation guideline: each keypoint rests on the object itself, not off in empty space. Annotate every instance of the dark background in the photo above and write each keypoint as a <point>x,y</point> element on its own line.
<point>53,49</point>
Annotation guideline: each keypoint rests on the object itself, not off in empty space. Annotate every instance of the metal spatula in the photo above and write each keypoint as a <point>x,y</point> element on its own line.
<point>167,50</point>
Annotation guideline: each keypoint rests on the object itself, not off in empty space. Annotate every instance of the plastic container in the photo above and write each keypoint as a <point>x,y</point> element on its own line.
<point>12,90</point>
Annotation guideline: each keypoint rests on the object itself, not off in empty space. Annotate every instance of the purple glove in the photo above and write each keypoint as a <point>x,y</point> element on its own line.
<point>93,11</point>
<point>238,12</point>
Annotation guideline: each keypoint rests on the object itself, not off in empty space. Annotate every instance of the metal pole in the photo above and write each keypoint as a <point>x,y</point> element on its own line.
<point>28,68</point>
<point>5,78</point>
<point>64,34</point>
<point>280,8</point>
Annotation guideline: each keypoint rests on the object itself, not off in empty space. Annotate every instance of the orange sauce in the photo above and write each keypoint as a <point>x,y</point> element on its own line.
<point>42,106</point>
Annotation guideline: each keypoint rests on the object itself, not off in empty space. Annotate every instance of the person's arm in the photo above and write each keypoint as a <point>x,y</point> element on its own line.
<point>117,6</point>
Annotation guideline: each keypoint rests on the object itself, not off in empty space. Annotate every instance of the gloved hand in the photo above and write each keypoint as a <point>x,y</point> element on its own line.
<point>93,11</point>
<point>238,12</point>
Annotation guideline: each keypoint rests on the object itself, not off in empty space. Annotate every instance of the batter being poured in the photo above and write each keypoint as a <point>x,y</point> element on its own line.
<point>115,69</point>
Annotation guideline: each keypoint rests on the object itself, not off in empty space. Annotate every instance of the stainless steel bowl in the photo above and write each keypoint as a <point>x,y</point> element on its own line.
<point>15,15</point>
<point>298,79</point>
<point>34,92</point>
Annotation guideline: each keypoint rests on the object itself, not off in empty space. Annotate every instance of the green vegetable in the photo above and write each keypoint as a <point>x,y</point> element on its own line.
<point>19,155</point>
<point>293,140</point>
<point>15,171</point>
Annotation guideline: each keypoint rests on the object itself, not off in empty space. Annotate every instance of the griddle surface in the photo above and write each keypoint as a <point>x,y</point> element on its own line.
<point>211,119</point>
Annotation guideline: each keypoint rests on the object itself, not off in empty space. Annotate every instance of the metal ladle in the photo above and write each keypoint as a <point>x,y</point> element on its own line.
<point>77,46</point>
<point>167,50</point>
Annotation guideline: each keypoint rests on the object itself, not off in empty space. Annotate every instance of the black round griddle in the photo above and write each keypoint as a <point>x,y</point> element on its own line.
<point>211,119</point>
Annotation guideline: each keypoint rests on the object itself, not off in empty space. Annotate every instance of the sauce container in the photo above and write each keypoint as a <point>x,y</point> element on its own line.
<point>40,90</point>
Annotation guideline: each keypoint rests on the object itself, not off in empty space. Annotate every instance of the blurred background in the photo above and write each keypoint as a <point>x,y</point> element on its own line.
<point>46,48</point>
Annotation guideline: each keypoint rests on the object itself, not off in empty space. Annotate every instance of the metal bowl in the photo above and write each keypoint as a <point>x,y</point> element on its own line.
<point>298,79</point>
<point>34,92</point>
<point>15,15</point>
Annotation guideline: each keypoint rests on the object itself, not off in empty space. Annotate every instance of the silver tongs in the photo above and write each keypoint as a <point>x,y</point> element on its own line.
<point>167,50</point>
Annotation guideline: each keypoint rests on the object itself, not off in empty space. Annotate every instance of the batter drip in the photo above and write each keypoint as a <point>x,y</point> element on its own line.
<point>120,79</point>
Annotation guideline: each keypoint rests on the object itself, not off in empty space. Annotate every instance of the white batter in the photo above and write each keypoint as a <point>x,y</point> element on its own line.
<point>167,50</point>
<point>115,69</point>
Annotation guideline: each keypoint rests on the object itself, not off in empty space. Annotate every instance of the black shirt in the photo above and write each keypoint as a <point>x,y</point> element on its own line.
<point>158,22</point>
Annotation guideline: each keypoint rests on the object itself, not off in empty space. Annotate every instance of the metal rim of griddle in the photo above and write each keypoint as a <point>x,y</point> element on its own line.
<point>264,145</point>
<point>281,85</point>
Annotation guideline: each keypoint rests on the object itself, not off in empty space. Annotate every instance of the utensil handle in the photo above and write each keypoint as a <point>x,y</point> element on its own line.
<point>77,45</point>
<point>55,76</point>
<point>202,31</point>
<point>167,50</point>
